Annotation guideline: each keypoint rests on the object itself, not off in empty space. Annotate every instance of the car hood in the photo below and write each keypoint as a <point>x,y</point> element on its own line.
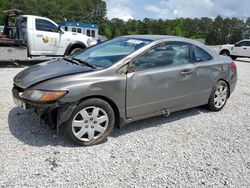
<point>47,70</point>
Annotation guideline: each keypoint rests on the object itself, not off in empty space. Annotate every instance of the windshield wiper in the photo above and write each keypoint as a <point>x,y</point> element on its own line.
<point>71,60</point>
<point>85,63</point>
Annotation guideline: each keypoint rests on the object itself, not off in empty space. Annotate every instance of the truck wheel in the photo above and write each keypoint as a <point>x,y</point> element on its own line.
<point>225,53</point>
<point>91,122</point>
<point>75,51</point>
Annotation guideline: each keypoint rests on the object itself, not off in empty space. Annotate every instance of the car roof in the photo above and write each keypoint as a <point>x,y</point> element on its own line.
<point>149,37</point>
<point>173,38</point>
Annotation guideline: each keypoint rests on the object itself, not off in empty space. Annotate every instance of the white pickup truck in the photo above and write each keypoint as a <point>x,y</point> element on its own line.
<point>240,49</point>
<point>41,36</point>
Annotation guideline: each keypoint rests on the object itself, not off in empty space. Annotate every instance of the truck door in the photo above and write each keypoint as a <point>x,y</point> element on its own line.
<point>241,49</point>
<point>46,37</point>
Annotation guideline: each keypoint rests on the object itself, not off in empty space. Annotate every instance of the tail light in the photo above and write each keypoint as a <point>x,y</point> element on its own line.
<point>233,66</point>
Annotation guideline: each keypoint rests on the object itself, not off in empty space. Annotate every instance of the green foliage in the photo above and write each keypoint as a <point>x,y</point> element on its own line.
<point>93,11</point>
<point>213,31</point>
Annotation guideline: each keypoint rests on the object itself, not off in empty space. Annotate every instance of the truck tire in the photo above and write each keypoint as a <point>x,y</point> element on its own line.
<point>75,51</point>
<point>225,53</point>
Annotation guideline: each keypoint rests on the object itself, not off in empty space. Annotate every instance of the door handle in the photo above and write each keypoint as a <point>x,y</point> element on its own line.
<point>244,48</point>
<point>39,35</point>
<point>186,72</point>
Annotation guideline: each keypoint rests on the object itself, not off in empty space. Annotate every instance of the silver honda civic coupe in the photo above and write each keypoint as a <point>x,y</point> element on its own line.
<point>123,80</point>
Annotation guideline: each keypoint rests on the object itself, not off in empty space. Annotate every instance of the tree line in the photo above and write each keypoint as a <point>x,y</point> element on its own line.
<point>213,31</point>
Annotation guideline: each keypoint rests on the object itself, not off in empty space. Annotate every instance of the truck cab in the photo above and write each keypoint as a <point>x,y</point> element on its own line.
<point>42,36</point>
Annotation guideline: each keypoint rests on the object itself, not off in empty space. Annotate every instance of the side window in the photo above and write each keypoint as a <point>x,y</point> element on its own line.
<point>93,33</point>
<point>166,54</point>
<point>200,55</point>
<point>88,32</point>
<point>79,30</point>
<point>45,25</point>
<point>73,29</point>
<point>242,43</point>
<point>248,43</point>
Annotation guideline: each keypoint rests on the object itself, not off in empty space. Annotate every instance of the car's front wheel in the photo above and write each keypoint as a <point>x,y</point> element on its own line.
<point>218,97</point>
<point>91,122</point>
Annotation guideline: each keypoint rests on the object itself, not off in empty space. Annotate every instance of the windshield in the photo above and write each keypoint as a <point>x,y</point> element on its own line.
<point>110,52</point>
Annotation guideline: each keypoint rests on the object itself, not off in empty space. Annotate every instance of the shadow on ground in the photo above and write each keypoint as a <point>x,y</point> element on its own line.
<point>27,127</point>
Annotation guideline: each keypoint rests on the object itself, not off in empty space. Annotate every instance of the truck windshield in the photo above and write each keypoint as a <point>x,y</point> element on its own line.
<point>108,53</point>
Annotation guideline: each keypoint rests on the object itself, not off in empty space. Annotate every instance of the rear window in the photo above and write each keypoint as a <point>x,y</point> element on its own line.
<point>200,55</point>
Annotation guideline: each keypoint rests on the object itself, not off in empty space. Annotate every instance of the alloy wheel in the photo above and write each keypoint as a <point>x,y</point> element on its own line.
<point>90,123</point>
<point>220,96</point>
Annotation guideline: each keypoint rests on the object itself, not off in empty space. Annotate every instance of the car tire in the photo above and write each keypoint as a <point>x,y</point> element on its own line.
<point>218,97</point>
<point>91,122</point>
<point>234,57</point>
<point>75,51</point>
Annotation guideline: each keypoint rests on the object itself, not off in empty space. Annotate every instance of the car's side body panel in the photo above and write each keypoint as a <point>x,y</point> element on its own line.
<point>155,89</point>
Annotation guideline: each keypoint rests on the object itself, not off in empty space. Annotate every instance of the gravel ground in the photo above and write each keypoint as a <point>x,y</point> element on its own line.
<point>191,148</point>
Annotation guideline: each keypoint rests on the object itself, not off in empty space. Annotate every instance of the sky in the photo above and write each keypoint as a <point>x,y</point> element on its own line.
<point>171,9</point>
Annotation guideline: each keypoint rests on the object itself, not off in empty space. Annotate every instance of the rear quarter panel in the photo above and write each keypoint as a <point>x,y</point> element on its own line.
<point>209,73</point>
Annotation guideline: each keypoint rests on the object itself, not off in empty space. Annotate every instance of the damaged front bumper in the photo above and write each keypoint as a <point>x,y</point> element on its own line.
<point>53,113</point>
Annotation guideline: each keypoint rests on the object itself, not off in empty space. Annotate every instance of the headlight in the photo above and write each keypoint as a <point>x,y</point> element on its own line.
<point>42,96</point>
<point>91,41</point>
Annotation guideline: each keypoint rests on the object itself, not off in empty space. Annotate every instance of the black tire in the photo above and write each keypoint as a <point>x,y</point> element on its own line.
<point>234,57</point>
<point>225,53</point>
<point>75,51</point>
<point>93,102</point>
<point>211,102</point>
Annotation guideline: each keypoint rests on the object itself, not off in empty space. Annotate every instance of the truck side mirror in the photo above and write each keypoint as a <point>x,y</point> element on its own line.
<point>60,29</point>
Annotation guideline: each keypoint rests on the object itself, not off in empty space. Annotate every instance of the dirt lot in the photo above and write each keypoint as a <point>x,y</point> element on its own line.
<point>191,148</point>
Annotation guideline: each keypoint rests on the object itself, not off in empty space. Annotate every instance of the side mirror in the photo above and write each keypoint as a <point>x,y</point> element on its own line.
<point>131,67</point>
<point>60,29</point>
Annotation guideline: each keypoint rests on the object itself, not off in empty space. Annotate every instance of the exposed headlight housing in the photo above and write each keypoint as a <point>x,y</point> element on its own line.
<point>42,96</point>
<point>91,41</point>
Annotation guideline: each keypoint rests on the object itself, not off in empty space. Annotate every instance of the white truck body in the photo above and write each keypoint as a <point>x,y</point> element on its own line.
<point>43,37</point>
<point>240,49</point>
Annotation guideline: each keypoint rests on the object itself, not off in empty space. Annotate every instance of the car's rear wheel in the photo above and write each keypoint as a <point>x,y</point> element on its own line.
<point>91,122</point>
<point>218,97</point>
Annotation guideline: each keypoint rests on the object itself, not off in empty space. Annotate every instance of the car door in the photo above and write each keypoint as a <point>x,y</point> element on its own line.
<point>162,78</point>
<point>46,37</point>
<point>241,49</point>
